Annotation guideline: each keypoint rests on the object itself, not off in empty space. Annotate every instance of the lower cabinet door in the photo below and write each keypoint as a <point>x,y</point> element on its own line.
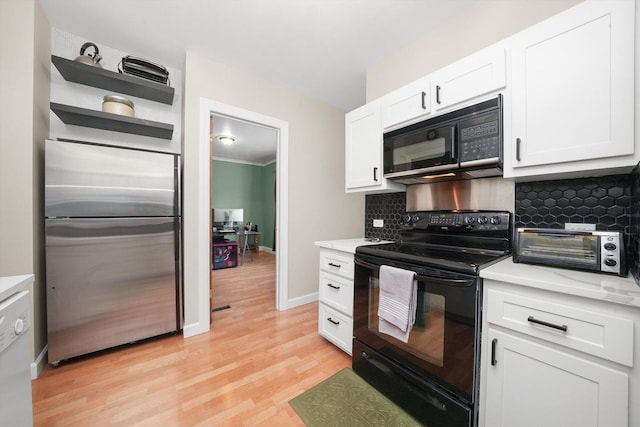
<point>336,327</point>
<point>533,385</point>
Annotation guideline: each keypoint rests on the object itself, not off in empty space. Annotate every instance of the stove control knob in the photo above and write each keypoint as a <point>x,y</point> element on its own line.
<point>415,218</point>
<point>610,262</point>
<point>495,220</point>
<point>406,219</point>
<point>482,220</point>
<point>468,220</point>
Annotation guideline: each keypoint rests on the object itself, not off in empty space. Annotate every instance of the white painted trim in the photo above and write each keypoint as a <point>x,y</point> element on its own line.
<point>39,364</point>
<point>207,107</point>
<point>305,299</point>
<point>202,274</point>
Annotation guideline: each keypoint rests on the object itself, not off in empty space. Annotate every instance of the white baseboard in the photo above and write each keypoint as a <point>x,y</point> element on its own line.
<point>305,299</point>
<point>39,364</point>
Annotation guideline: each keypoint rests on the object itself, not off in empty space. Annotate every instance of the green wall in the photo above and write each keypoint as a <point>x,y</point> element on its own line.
<point>248,187</point>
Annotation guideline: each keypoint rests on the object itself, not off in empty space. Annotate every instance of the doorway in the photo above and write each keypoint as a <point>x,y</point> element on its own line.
<point>208,108</point>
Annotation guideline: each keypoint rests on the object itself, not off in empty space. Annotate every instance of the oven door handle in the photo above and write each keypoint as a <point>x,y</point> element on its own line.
<point>433,280</point>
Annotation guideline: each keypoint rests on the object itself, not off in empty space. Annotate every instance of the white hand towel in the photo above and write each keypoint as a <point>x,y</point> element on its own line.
<point>397,302</point>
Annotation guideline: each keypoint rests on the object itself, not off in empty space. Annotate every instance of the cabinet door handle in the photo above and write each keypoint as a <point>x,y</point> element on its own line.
<point>438,95</point>
<point>375,174</point>
<point>335,265</point>
<point>518,141</point>
<point>494,343</point>
<point>562,328</point>
<point>424,104</point>
<point>332,321</point>
<point>331,285</point>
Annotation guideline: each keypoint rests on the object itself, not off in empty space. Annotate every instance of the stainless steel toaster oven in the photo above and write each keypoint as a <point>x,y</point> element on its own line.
<point>600,251</point>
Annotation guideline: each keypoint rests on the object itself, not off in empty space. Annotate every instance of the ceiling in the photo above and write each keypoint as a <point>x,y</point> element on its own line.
<point>255,144</point>
<point>320,48</point>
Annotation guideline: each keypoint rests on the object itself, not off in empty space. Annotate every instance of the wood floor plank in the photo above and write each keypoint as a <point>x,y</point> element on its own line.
<point>241,373</point>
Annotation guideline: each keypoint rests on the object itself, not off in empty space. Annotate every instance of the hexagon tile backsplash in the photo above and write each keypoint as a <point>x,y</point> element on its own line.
<point>604,201</point>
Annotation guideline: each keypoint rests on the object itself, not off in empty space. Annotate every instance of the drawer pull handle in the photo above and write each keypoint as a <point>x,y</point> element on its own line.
<point>494,342</point>
<point>331,285</point>
<point>562,328</point>
<point>335,265</point>
<point>332,321</point>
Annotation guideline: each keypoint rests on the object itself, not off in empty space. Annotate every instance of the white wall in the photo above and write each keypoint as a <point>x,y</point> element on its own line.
<point>24,122</point>
<point>479,25</point>
<point>319,209</point>
<point>67,45</point>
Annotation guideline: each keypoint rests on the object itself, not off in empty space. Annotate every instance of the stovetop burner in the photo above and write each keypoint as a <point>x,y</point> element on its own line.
<point>461,241</point>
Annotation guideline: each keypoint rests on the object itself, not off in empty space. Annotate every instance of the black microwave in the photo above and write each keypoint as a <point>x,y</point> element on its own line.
<point>462,144</point>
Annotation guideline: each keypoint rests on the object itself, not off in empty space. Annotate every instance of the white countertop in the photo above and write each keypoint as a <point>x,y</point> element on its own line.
<point>603,287</point>
<point>347,245</point>
<point>12,284</point>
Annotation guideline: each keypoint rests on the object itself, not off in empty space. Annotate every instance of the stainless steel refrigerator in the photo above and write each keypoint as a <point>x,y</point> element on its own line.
<point>112,226</point>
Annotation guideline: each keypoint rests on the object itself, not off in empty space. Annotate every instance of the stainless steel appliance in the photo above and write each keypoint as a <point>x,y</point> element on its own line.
<point>463,144</point>
<point>112,224</point>
<point>434,375</point>
<point>601,251</point>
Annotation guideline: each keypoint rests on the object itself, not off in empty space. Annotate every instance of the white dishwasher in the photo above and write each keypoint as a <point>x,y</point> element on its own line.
<point>15,376</point>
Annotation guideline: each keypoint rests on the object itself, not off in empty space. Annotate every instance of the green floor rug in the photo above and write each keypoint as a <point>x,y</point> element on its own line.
<point>345,399</point>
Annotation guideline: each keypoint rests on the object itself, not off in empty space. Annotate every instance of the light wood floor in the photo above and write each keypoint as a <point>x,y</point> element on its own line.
<point>242,373</point>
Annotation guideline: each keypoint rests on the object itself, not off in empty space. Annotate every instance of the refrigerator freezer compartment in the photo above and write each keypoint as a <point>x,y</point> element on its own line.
<point>85,180</point>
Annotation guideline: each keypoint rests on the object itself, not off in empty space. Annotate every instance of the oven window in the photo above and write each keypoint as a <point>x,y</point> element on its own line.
<point>577,248</point>
<point>426,339</point>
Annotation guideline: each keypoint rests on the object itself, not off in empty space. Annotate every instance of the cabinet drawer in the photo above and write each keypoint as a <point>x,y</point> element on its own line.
<point>589,331</point>
<point>337,292</point>
<point>337,262</point>
<point>335,326</point>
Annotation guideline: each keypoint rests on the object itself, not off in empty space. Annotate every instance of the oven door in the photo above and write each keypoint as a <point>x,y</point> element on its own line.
<point>420,149</point>
<point>443,343</point>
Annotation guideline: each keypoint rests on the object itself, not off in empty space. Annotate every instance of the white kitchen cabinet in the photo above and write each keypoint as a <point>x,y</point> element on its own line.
<point>363,151</point>
<point>550,359</point>
<point>572,92</point>
<point>476,75</point>
<point>406,104</point>
<point>534,385</point>
<point>335,295</point>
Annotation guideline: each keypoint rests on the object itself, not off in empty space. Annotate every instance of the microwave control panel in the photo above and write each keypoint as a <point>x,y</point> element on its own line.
<point>480,137</point>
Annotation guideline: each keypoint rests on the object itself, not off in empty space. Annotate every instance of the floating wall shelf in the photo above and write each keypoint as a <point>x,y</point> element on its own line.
<point>78,72</point>
<point>115,122</point>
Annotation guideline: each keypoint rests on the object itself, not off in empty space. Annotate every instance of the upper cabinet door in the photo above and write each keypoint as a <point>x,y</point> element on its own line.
<point>478,74</point>
<point>407,103</point>
<point>363,151</point>
<point>572,90</point>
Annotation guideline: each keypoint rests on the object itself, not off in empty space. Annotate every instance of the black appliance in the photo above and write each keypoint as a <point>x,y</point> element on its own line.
<point>434,376</point>
<point>462,144</point>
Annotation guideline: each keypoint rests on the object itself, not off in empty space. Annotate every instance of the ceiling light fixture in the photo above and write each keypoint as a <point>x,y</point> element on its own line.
<point>225,139</point>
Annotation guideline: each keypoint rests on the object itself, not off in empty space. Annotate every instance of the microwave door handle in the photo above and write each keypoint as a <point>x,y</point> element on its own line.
<point>453,143</point>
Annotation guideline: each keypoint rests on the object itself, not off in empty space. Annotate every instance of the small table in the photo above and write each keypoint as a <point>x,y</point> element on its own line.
<point>246,235</point>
